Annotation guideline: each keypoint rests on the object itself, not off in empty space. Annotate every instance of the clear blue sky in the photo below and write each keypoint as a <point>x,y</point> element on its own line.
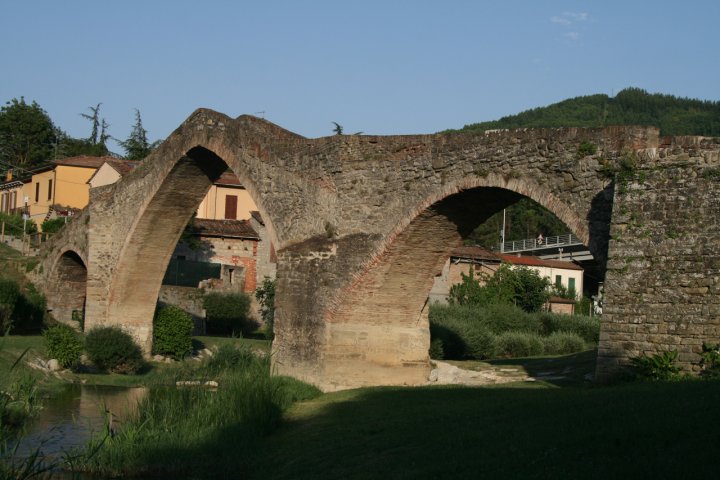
<point>381,67</point>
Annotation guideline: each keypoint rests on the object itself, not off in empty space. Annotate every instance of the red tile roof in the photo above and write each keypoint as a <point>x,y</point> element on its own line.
<point>538,262</point>
<point>84,161</point>
<point>224,228</point>
<point>123,167</point>
<point>228,178</point>
<point>258,218</point>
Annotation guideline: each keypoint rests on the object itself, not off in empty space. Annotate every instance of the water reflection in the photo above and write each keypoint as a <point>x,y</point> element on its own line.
<point>70,417</point>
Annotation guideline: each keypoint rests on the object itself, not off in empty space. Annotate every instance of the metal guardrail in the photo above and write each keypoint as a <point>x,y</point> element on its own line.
<point>530,244</point>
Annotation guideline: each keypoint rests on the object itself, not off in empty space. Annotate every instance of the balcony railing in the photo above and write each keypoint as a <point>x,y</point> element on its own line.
<point>531,244</point>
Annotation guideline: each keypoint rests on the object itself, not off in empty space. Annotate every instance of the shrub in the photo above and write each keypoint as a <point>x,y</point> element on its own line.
<point>448,335</point>
<point>586,327</point>
<point>14,225</point>
<point>63,344</point>
<point>561,343</point>
<point>9,294</point>
<point>265,294</point>
<point>710,361</point>
<point>660,366</point>
<point>519,344</point>
<point>479,341</point>
<point>172,331</point>
<point>227,313</point>
<point>30,311</point>
<point>462,336</point>
<point>112,349</point>
<point>436,349</point>
<point>53,225</point>
<point>504,318</point>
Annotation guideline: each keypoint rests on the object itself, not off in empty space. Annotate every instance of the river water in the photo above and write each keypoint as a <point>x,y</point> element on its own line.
<point>68,419</point>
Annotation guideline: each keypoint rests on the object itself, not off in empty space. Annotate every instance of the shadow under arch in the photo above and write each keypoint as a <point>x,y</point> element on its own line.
<point>66,290</point>
<point>386,305</point>
<point>153,237</point>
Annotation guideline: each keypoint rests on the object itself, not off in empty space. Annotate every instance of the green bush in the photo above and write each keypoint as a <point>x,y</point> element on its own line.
<point>660,366</point>
<point>561,343</point>
<point>14,225</point>
<point>112,349</point>
<point>30,311</point>
<point>265,294</point>
<point>519,344</point>
<point>710,361</point>
<point>506,318</point>
<point>586,327</point>
<point>172,331</point>
<point>436,349</point>
<point>461,336</point>
<point>479,341</point>
<point>9,294</point>
<point>227,313</point>
<point>53,225</point>
<point>64,344</point>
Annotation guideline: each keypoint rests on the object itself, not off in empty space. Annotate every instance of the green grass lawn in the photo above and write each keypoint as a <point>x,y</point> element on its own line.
<point>641,430</point>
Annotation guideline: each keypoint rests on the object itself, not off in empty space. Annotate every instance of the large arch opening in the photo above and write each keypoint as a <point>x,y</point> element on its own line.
<point>67,289</point>
<point>153,240</point>
<point>385,311</point>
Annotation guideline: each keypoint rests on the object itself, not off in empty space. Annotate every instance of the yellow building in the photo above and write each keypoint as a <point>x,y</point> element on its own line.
<point>227,199</point>
<point>66,183</point>
<point>71,180</point>
<point>110,172</point>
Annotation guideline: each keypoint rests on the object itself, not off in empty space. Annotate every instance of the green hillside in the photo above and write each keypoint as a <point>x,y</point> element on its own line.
<point>632,106</point>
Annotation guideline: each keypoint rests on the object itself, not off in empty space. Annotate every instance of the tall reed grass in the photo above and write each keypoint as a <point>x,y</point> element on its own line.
<point>196,431</point>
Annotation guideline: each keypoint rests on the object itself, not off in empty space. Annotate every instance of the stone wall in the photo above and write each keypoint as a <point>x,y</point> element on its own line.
<point>662,290</point>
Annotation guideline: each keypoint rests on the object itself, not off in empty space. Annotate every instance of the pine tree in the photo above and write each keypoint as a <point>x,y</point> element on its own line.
<point>136,145</point>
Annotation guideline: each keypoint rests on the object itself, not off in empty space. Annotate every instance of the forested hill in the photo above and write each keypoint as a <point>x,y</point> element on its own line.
<point>632,106</point>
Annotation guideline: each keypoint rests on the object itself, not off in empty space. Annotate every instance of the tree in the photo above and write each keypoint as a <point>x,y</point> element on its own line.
<point>518,286</point>
<point>136,145</point>
<point>265,294</point>
<point>27,135</point>
<point>96,144</point>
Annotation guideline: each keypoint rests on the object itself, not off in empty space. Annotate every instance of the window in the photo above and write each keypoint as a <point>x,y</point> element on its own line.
<point>37,192</point>
<point>49,189</point>
<point>571,285</point>
<point>558,280</point>
<point>231,207</point>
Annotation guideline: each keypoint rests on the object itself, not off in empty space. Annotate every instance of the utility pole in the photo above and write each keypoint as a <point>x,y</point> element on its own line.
<point>502,235</point>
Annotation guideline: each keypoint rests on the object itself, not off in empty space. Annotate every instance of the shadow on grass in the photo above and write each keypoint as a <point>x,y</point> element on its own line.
<point>658,430</point>
<point>566,370</point>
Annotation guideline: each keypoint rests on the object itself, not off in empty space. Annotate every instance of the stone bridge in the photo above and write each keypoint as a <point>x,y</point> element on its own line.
<point>362,224</point>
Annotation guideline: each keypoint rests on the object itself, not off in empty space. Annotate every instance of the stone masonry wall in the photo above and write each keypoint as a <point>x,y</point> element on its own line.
<point>662,290</point>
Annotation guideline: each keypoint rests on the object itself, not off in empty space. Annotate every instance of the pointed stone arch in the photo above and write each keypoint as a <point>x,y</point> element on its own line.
<point>67,286</point>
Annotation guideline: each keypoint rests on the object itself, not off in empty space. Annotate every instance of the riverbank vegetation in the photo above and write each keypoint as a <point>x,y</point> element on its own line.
<point>198,431</point>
